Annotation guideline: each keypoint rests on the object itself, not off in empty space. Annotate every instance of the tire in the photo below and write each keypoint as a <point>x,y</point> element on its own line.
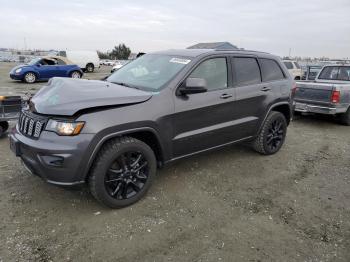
<point>90,68</point>
<point>297,78</point>
<point>29,78</point>
<point>274,128</point>
<point>345,118</point>
<point>113,179</point>
<point>3,127</point>
<point>75,74</point>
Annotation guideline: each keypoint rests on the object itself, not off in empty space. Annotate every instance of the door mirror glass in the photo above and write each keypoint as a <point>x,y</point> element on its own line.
<point>193,86</point>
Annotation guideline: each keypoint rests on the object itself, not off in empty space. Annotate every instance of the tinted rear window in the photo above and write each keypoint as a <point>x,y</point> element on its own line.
<point>270,70</point>
<point>246,71</point>
<point>335,73</point>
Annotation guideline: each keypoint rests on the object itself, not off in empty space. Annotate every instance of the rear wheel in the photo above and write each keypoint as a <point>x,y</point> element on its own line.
<point>90,68</point>
<point>122,172</point>
<point>272,134</point>
<point>29,77</point>
<point>75,74</point>
<point>345,118</point>
<point>3,127</point>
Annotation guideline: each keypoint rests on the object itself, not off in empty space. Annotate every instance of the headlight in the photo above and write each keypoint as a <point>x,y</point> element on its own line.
<point>65,128</point>
<point>18,70</point>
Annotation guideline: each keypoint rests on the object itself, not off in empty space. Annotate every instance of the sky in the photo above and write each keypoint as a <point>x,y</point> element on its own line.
<point>311,28</point>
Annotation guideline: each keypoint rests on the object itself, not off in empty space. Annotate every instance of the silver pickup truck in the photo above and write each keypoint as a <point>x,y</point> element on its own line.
<point>328,94</point>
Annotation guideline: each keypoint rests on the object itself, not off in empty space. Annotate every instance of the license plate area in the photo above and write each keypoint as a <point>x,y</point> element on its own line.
<point>15,146</point>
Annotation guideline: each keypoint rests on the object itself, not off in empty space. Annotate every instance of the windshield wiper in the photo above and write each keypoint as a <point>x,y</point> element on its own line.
<point>124,84</point>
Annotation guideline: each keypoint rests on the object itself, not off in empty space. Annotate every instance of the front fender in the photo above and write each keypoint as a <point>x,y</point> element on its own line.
<point>99,140</point>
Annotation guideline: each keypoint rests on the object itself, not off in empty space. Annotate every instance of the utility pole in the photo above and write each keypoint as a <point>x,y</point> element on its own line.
<point>25,43</point>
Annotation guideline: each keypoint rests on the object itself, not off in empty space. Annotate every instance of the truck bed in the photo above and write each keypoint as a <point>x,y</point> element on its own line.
<point>315,97</point>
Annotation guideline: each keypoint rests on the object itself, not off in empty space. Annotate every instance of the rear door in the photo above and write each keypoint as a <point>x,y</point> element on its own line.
<point>205,120</point>
<point>257,82</point>
<point>252,95</point>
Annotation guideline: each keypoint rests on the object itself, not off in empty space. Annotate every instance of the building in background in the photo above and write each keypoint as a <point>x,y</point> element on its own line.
<point>214,45</point>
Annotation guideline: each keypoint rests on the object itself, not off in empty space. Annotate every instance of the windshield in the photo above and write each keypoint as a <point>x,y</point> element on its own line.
<point>34,61</point>
<point>149,72</point>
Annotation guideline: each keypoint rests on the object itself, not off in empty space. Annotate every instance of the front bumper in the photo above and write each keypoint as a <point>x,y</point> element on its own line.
<point>15,76</point>
<point>309,108</point>
<point>56,159</point>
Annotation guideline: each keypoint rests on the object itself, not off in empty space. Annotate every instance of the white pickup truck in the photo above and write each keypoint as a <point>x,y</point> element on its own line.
<point>328,94</point>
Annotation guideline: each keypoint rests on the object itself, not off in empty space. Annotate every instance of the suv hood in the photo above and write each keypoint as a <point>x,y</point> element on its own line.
<point>66,96</point>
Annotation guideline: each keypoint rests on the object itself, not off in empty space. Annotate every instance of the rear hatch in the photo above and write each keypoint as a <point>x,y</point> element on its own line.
<point>311,92</point>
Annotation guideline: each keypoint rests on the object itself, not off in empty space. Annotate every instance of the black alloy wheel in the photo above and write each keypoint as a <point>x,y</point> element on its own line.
<point>272,134</point>
<point>122,172</point>
<point>275,134</point>
<point>127,175</point>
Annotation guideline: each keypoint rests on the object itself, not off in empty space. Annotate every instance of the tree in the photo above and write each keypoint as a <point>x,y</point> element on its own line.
<point>120,52</point>
<point>103,55</point>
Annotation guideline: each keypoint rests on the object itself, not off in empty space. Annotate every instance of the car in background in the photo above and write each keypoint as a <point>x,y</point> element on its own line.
<point>44,68</point>
<point>311,71</point>
<point>294,69</point>
<point>88,61</point>
<point>119,64</point>
<point>328,94</point>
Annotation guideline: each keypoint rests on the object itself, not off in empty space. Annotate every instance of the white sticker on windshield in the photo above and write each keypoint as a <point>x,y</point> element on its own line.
<point>180,60</point>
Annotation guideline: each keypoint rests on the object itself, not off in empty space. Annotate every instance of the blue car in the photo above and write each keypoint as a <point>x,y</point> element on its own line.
<point>44,68</point>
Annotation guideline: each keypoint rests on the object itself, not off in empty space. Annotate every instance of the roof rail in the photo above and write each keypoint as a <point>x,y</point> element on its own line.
<point>242,50</point>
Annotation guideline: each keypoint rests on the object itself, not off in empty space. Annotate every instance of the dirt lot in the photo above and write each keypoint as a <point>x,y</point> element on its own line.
<point>228,205</point>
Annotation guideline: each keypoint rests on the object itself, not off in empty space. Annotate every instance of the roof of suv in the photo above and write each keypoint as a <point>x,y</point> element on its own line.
<point>198,52</point>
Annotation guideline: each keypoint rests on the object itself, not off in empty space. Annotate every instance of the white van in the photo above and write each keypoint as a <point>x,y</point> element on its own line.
<point>86,60</point>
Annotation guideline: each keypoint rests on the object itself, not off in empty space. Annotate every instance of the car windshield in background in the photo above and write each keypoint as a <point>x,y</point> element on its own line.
<point>34,61</point>
<point>341,73</point>
<point>289,65</point>
<point>149,72</point>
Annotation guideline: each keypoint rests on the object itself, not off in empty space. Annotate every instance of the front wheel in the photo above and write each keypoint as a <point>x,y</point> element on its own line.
<point>272,134</point>
<point>29,77</point>
<point>122,172</point>
<point>75,74</point>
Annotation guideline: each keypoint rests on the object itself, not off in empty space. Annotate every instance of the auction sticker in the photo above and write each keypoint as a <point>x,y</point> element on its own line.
<point>180,61</point>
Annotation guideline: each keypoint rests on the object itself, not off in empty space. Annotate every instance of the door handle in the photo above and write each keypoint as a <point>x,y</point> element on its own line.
<point>225,96</point>
<point>265,89</point>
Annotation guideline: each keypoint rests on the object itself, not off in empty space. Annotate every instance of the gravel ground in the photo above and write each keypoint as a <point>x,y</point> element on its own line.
<point>227,205</point>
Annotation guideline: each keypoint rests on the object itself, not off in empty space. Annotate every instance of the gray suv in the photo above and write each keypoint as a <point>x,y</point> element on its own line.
<point>159,108</point>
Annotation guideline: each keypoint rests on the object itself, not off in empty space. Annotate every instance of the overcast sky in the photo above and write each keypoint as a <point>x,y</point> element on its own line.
<point>308,27</point>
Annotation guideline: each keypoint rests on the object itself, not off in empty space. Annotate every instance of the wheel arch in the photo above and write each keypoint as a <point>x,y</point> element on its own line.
<point>35,72</point>
<point>282,107</point>
<point>147,135</point>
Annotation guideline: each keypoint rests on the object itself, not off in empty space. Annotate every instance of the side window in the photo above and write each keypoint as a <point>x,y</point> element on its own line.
<point>289,65</point>
<point>214,71</point>
<point>246,71</point>
<point>270,70</point>
<point>344,73</point>
<point>60,62</point>
<point>47,62</point>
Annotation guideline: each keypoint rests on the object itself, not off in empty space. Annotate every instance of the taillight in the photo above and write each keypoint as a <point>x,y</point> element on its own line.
<point>335,97</point>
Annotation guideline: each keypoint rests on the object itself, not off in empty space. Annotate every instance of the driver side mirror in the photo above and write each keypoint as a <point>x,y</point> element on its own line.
<point>38,65</point>
<point>193,86</point>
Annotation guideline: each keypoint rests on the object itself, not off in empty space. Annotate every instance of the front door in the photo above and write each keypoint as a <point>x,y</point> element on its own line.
<point>204,120</point>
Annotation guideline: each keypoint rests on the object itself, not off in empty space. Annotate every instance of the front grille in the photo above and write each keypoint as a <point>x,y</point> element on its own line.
<point>31,125</point>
